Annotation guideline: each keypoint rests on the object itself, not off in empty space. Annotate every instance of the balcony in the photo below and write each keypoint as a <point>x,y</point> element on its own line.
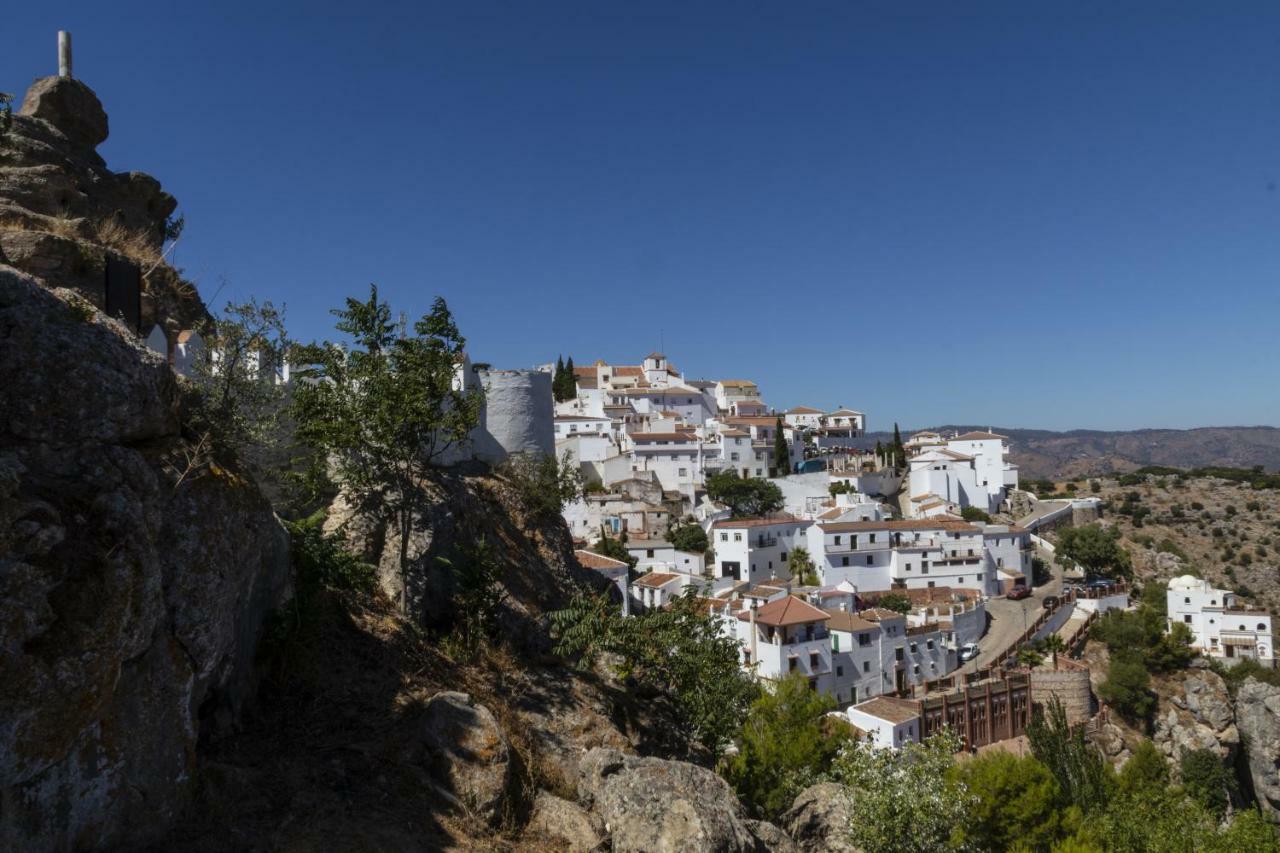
<point>766,541</point>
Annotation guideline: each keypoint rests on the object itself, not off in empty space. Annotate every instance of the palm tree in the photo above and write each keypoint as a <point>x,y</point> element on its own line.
<point>1030,658</point>
<point>1054,644</point>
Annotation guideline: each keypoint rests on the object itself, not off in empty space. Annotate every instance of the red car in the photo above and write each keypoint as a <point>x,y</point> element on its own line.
<point>1018,593</point>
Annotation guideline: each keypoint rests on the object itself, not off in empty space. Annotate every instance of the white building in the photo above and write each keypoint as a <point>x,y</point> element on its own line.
<point>875,556</point>
<point>803,417</point>
<point>888,721</point>
<point>1221,625</point>
<point>787,635</point>
<point>756,549</point>
<point>616,571</point>
<point>730,391</point>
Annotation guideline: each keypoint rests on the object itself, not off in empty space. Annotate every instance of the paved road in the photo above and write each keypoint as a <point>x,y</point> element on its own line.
<point>1008,619</point>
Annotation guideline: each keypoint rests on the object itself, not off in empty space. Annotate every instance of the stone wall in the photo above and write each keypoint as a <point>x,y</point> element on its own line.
<point>1069,683</point>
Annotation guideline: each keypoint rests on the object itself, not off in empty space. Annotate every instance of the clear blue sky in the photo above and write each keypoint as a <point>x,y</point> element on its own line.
<point>1025,214</point>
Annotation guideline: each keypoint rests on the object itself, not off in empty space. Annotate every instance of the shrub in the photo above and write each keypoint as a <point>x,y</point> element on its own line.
<point>542,484</point>
<point>1207,780</point>
<point>689,537</point>
<point>1127,688</point>
<point>973,513</point>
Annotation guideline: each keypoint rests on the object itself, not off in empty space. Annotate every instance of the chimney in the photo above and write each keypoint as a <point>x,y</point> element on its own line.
<point>64,54</point>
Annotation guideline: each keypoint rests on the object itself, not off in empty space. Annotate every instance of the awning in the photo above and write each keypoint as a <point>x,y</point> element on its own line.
<point>1240,641</point>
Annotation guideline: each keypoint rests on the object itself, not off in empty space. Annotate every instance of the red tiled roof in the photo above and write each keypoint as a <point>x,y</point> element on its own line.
<point>786,611</point>
<point>592,560</point>
<point>978,436</point>
<point>889,708</point>
<point>941,522</point>
<point>780,518</point>
<point>656,579</point>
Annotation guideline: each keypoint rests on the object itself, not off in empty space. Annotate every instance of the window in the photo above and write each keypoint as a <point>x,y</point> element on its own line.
<point>928,644</point>
<point>871,537</point>
<point>737,537</point>
<point>1186,600</point>
<point>913,648</point>
<point>784,556</point>
<point>899,653</point>
<point>868,559</point>
<point>839,671</point>
<point>792,664</point>
<point>866,666</point>
<point>684,472</point>
<point>960,579</point>
<point>724,537</point>
<point>837,539</point>
<point>813,660</point>
<point>930,584</point>
<point>979,576</point>
<point>1262,626</point>
<point>733,456</point>
<point>759,472</point>
<point>908,567</point>
<point>1186,619</point>
<point>864,639</point>
<point>844,561</point>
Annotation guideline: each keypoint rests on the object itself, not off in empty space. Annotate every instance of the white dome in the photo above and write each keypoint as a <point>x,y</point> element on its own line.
<point>1185,583</point>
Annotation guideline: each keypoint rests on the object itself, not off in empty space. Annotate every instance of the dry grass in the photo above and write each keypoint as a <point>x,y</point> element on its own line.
<point>59,226</point>
<point>137,246</point>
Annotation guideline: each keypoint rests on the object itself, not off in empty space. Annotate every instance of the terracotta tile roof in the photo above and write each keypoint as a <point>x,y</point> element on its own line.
<point>786,611</point>
<point>626,370</point>
<point>579,418</point>
<point>843,620</point>
<point>954,455</point>
<point>763,591</point>
<point>890,709</point>
<point>845,412</point>
<point>655,355</point>
<point>656,579</point>
<point>592,560</point>
<point>780,518</point>
<point>737,383</point>
<point>978,436</point>
<point>802,410</point>
<point>734,433</point>
<point>751,420</point>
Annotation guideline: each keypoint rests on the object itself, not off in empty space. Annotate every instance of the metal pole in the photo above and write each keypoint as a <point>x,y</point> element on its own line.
<point>64,54</point>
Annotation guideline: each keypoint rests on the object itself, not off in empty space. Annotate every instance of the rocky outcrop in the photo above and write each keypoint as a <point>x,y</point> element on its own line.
<point>819,819</point>
<point>1198,715</point>
<point>468,751</point>
<point>131,598</point>
<point>566,824</point>
<point>1258,718</point>
<point>657,806</point>
<point>537,570</point>
<point>64,214</point>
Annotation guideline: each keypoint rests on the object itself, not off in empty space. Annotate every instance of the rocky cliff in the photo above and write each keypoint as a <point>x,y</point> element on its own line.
<point>131,599</point>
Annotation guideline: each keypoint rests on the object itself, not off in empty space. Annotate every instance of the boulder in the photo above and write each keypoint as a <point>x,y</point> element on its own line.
<point>771,839</point>
<point>658,806</point>
<point>468,752</point>
<point>1258,718</point>
<point>71,107</point>
<point>818,820</point>
<point>568,823</point>
<point>1197,715</point>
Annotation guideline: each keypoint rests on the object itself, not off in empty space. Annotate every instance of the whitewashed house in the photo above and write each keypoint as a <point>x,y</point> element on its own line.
<point>730,391</point>
<point>756,549</point>
<point>1221,625</point>
<point>803,417</point>
<point>890,722</point>
<point>785,636</point>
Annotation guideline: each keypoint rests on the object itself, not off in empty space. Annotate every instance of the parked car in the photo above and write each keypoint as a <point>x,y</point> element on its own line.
<point>1100,583</point>
<point>1018,593</point>
<point>1050,602</point>
<point>968,651</point>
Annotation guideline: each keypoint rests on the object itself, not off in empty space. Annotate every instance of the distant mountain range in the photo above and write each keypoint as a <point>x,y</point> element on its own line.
<point>1045,454</point>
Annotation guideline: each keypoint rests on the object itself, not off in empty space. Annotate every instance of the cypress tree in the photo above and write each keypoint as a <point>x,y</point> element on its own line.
<point>570,380</point>
<point>781,453</point>
<point>557,380</point>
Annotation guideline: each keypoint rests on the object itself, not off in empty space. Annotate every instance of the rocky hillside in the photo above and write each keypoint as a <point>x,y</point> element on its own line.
<point>1221,530</point>
<point>131,601</point>
<point>1044,454</point>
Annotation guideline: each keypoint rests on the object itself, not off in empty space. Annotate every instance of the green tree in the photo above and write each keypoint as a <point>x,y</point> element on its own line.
<point>973,513</point>
<point>1095,548</point>
<point>1015,802</point>
<point>1127,688</point>
<point>1146,770</point>
<point>543,484</point>
<point>1207,780</point>
<point>903,801</point>
<point>615,549</point>
<point>781,451</point>
<point>1083,776</point>
<point>801,566</point>
<point>689,537</point>
<point>1029,657</point>
<point>235,377</point>
<point>899,451</point>
<point>746,498</point>
<point>894,601</point>
<point>787,743</point>
<point>679,649</point>
<point>570,380</point>
<point>384,409</point>
<point>477,593</point>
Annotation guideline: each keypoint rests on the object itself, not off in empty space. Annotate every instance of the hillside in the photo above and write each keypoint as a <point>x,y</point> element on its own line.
<point>1045,454</point>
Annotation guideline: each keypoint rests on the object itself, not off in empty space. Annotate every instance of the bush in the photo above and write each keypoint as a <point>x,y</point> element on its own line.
<point>319,561</point>
<point>1016,801</point>
<point>895,601</point>
<point>1207,780</point>
<point>689,537</point>
<point>1127,688</point>
<point>973,513</point>
<point>543,484</point>
<point>785,746</point>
